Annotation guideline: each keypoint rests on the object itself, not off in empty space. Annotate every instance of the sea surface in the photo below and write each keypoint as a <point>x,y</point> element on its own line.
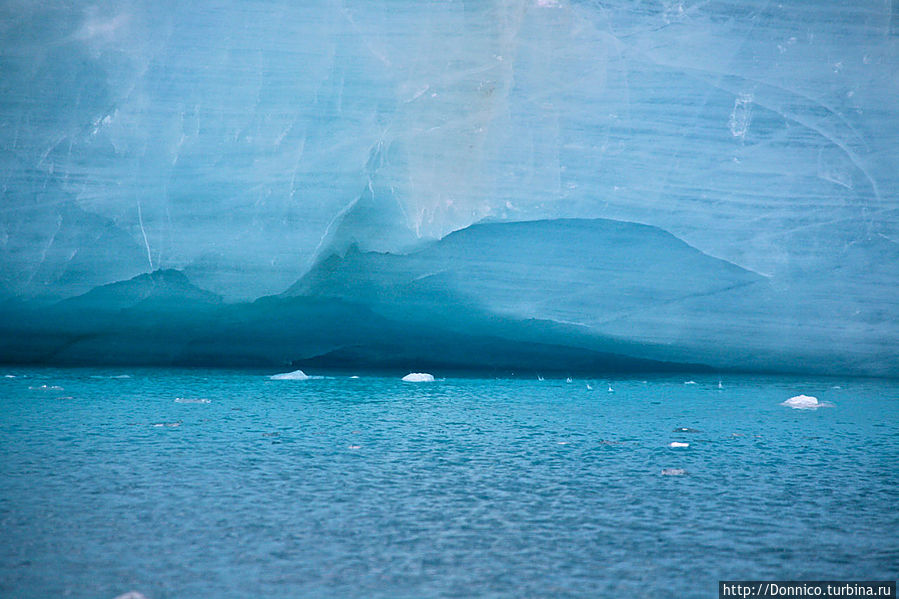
<point>206,483</point>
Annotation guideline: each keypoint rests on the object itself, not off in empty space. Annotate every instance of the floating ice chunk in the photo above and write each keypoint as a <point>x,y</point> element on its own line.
<point>9,376</point>
<point>354,447</point>
<point>419,377</point>
<point>684,429</point>
<point>132,595</point>
<point>47,388</point>
<point>296,375</point>
<point>803,402</point>
<point>568,380</point>
<point>191,400</point>
<point>689,382</point>
<point>678,444</point>
<point>355,376</point>
<point>589,387</point>
<point>673,472</point>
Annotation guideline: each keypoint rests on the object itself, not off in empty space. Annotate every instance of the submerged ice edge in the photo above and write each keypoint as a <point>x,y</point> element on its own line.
<point>559,309</point>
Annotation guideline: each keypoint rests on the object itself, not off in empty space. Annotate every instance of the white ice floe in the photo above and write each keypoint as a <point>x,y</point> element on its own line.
<point>191,400</point>
<point>689,382</point>
<point>673,472</point>
<point>132,595</point>
<point>678,444</point>
<point>9,376</point>
<point>296,375</point>
<point>804,402</point>
<point>419,377</point>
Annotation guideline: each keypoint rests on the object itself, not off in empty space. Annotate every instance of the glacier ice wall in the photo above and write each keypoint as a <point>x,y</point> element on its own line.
<point>229,139</point>
<point>240,142</point>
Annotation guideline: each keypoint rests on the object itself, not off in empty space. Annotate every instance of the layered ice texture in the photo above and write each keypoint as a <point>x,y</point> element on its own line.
<point>519,184</point>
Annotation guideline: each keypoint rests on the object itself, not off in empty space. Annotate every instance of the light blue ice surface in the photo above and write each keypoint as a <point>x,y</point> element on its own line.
<point>737,160</point>
<point>468,487</point>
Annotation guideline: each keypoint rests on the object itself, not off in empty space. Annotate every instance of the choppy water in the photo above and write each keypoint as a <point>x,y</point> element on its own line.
<point>371,487</point>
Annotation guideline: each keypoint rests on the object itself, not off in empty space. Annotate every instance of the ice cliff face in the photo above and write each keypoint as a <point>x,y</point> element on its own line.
<point>243,142</point>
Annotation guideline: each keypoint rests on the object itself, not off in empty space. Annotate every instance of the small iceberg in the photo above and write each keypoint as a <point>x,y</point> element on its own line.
<point>804,402</point>
<point>296,375</point>
<point>673,472</point>
<point>46,388</point>
<point>675,444</point>
<point>690,382</point>
<point>419,377</point>
<point>191,400</point>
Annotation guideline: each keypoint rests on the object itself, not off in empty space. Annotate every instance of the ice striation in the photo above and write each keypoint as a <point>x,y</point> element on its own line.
<point>558,185</point>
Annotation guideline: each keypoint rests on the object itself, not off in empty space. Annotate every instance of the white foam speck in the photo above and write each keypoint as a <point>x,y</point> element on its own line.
<point>419,377</point>
<point>673,472</point>
<point>678,444</point>
<point>355,376</point>
<point>132,595</point>
<point>354,447</point>
<point>47,388</point>
<point>191,400</point>
<point>689,382</point>
<point>296,375</point>
<point>804,402</point>
<point>9,376</point>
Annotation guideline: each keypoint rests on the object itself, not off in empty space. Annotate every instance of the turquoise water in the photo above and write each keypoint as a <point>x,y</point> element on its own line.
<point>372,487</point>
